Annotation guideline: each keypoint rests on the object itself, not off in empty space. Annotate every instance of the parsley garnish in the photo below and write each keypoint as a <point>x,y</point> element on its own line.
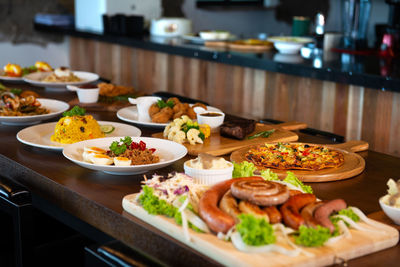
<point>162,104</point>
<point>264,134</point>
<point>121,146</point>
<point>75,111</point>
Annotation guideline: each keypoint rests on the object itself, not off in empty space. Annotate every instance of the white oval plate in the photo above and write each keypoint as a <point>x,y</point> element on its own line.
<point>10,79</point>
<point>130,114</point>
<point>56,107</point>
<point>37,77</point>
<point>168,151</point>
<point>39,135</point>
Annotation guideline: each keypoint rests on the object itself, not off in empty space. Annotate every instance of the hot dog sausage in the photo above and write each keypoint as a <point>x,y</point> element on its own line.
<point>274,214</point>
<point>216,219</point>
<point>291,209</point>
<point>323,212</point>
<point>250,208</point>
<point>229,205</point>
<point>308,213</point>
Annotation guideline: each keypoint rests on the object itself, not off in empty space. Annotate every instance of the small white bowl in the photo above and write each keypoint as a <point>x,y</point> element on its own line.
<point>213,121</point>
<point>85,95</point>
<point>392,212</point>
<point>289,44</point>
<point>208,176</point>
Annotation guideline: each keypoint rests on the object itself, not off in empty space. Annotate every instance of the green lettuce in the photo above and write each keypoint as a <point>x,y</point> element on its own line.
<point>269,175</point>
<point>153,205</point>
<point>293,180</point>
<point>255,231</point>
<point>75,111</point>
<point>312,237</point>
<point>346,212</point>
<point>243,169</point>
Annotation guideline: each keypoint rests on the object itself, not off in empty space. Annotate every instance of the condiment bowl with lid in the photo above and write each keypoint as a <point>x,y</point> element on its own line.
<point>214,119</point>
<point>208,170</point>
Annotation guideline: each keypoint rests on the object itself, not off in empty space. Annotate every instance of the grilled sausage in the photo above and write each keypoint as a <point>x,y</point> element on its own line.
<point>323,212</point>
<point>250,208</point>
<point>291,209</point>
<point>263,193</point>
<point>274,214</point>
<point>216,219</point>
<point>229,205</point>
<point>308,213</point>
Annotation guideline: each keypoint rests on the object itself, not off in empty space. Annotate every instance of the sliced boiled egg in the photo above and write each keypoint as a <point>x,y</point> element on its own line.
<point>62,72</point>
<point>86,156</point>
<point>122,161</point>
<point>100,159</point>
<point>94,149</point>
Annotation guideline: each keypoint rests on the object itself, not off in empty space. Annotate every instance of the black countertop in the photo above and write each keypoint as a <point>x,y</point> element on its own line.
<point>363,70</point>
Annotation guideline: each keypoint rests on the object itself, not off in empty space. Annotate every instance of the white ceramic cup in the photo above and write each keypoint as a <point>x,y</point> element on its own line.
<point>213,121</point>
<point>88,95</point>
<point>143,104</point>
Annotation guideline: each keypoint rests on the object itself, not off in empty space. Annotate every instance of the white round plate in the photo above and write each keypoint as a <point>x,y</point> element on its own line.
<point>10,79</point>
<point>198,40</point>
<point>37,77</point>
<point>168,152</point>
<point>39,135</point>
<point>56,107</point>
<point>130,114</point>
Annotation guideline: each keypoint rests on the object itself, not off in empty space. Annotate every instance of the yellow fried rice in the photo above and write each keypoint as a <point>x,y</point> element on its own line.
<point>76,128</point>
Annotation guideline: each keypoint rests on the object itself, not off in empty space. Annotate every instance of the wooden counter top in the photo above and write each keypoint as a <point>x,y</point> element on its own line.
<point>95,198</point>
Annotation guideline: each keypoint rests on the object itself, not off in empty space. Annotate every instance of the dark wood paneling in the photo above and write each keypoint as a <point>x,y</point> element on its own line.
<point>353,111</point>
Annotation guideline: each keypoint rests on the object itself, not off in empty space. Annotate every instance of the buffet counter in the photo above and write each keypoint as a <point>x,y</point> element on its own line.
<point>353,96</point>
<point>90,201</point>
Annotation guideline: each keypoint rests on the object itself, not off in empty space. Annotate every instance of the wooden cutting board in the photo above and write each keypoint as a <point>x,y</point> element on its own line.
<point>360,244</point>
<point>353,164</point>
<point>218,145</point>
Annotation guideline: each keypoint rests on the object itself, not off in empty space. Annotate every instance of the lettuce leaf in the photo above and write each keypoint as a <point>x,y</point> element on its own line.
<point>293,180</point>
<point>153,205</point>
<point>346,212</point>
<point>312,237</point>
<point>243,169</point>
<point>269,175</point>
<point>255,231</point>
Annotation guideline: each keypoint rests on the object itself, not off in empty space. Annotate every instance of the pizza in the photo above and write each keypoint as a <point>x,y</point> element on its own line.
<point>285,156</point>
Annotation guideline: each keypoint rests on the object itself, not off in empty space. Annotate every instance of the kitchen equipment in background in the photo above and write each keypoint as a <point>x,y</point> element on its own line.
<point>319,30</point>
<point>88,13</point>
<point>123,25</point>
<point>301,26</point>
<point>332,40</point>
<point>388,35</point>
<point>170,27</point>
<point>355,15</point>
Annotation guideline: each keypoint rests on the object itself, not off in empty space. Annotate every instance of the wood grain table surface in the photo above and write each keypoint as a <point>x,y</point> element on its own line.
<point>95,197</point>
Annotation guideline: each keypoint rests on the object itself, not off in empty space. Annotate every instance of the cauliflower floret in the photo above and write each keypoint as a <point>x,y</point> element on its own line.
<point>178,122</point>
<point>168,129</point>
<point>179,137</point>
<point>185,118</point>
<point>193,136</point>
<point>172,132</point>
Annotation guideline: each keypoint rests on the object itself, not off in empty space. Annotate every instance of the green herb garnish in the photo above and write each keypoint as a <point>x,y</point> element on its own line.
<point>75,111</point>
<point>162,104</point>
<point>28,70</point>
<point>120,147</point>
<point>16,91</point>
<point>264,134</point>
<point>255,231</point>
<point>312,237</point>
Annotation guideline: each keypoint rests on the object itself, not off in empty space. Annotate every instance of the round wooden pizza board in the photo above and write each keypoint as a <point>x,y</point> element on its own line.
<point>353,164</point>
